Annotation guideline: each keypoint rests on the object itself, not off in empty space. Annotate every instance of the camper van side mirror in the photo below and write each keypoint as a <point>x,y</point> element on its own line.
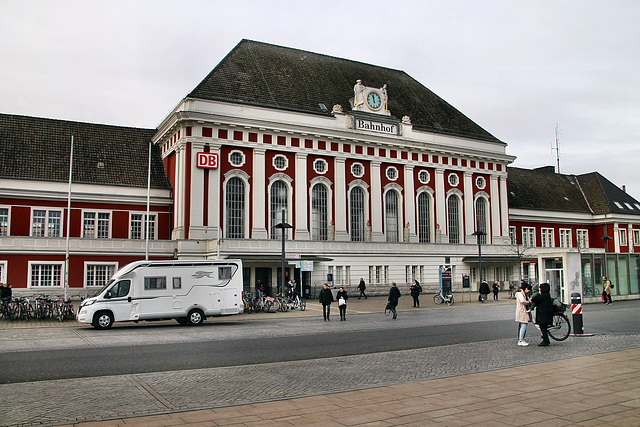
<point>108,295</point>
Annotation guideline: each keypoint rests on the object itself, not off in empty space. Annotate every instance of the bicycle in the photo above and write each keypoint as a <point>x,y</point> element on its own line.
<point>64,310</point>
<point>297,302</point>
<point>441,298</point>
<point>387,309</point>
<point>560,328</point>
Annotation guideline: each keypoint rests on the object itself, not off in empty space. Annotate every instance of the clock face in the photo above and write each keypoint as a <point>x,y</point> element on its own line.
<point>374,100</point>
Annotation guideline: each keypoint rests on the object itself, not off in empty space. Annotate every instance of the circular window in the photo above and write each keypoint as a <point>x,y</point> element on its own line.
<point>453,180</point>
<point>320,166</point>
<point>392,173</point>
<point>424,177</point>
<point>236,158</point>
<point>481,182</point>
<point>357,170</point>
<point>280,162</point>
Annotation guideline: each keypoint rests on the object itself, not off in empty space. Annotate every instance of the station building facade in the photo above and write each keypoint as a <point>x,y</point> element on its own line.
<point>372,174</point>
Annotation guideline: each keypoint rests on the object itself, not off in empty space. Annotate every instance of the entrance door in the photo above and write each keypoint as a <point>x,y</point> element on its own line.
<point>556,282</point>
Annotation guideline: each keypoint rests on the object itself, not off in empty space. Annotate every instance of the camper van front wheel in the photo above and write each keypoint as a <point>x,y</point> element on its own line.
<point>103,320</point>
<point>196,317</point>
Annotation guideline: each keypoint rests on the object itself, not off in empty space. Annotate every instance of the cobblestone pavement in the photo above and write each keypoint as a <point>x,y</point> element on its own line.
<point>154,394</point>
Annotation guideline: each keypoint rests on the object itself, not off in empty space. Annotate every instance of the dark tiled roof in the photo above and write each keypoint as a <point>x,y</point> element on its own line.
<point>543,189</point>
<point>278,77</point>
<point>33,148</point>
<point>603,195</point>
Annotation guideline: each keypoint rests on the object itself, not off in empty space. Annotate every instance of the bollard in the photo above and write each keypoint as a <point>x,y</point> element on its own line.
<point>576,310</point>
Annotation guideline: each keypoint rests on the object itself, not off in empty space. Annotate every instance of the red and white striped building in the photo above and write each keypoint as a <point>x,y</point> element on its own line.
<point>378,178</point>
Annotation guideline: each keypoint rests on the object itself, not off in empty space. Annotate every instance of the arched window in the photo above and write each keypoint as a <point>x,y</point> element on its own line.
<point>278,203</point>
<point>235,209</point>
<point>424,218</point>
<point>391,216</point>
<point>453,215</point>
<point>319,212</point>
<point>481,218</point>
<point>356,206</point>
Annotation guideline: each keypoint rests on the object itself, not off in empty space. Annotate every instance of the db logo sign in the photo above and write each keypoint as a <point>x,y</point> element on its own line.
<point>208,160</point>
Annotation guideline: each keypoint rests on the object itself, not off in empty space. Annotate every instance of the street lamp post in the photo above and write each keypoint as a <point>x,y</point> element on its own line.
<point>283,225</point>
<point>606,239</point>
<point>479,235</point>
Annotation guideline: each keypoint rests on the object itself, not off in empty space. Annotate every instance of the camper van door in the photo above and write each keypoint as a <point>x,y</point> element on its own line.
<point>118,299</point>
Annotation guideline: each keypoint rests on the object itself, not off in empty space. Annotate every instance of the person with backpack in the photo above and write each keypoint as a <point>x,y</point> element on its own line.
<point>606,291</point>
<point>544,312</point>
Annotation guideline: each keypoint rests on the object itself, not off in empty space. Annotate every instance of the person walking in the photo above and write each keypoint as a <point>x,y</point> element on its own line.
<point>484,291</point>
<point>361,287</point>
<point>326,298</point>
<point>606,291</point>
<point>394,295</point>
<point>415,293</point>
<point>342,298</point>
<point>544,312</point>
<point>522,313</point>
<point>496,290</point>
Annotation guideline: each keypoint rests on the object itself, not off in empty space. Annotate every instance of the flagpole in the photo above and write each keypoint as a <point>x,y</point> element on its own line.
<point>146,253</point>
<point>66,262</point>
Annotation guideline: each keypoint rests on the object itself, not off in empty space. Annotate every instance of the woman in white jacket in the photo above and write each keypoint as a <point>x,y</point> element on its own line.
<point>522,315</point>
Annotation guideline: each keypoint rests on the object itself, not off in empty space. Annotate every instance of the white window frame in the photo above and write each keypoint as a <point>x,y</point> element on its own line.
<point>622,233</point>
<point>424,176</point>
<point>354,167</point>
<point>88,264</point>
<point>3,271</point>
<point>529,237</point>
<point>512,235</point>
<point>5,227</point>
<point>275,162</point>
<point>96,224</point>
<point>565,238</point>
<point>453,179</point>
<point>243,158</point>
<point>583,238</point>
<point>247,189</point>
<point>392,173</point>
<point>47,218</point>
<point>548,237</point>
<point>143,232</point>
<point>325,166</point>
<point>30,264</point>
<point>481,182</point>
<point>636,237</point>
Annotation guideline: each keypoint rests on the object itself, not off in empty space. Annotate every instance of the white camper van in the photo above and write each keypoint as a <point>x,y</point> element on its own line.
<point>187,291</point>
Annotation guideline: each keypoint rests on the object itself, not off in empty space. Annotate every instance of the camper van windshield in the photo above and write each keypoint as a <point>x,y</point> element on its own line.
<point>109,283</point>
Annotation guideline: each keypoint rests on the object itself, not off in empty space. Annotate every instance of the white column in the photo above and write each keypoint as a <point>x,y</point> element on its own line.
<point>259,204</point>
<point>179,202</point>
<point>215,199</point>
<point>441,211</point>
<point>496,224</point>
<point>196,193</point>
<point>376,203</point>
<point>504,206</point>
<point>468,201</point>
<point>340,201</point>
<point>410,203</point>
<point>301,199</point>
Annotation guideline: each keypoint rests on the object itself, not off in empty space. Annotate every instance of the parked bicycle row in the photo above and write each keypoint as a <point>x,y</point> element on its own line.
<point>38,307</point>
<point>267,304</point>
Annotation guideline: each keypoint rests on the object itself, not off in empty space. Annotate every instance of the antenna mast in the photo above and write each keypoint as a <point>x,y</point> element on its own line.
<point>557,149</point>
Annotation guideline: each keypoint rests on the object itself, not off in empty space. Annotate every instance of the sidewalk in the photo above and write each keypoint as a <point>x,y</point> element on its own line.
<point>374,304</point>
<point>573,391</point>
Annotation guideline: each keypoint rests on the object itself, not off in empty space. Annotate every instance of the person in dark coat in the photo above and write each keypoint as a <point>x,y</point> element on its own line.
<point>326,298</point>
<point>394,295</point>
<point>415,293</point>
<point>342,298</point>
<point>496,290</point>
<point>484,291</point>
<point>362,286</point>
<point>544,311</point>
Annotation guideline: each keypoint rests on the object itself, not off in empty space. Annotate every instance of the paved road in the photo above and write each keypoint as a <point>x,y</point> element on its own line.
<point>445,343</point>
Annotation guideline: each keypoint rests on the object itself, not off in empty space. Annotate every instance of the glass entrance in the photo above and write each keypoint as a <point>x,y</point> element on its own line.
<point>554,275</point>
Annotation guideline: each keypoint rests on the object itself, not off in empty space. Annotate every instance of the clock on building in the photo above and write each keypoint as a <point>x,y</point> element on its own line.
<point>374,100</point>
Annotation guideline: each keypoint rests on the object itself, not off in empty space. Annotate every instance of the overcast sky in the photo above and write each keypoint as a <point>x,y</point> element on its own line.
<point>517,68</point>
